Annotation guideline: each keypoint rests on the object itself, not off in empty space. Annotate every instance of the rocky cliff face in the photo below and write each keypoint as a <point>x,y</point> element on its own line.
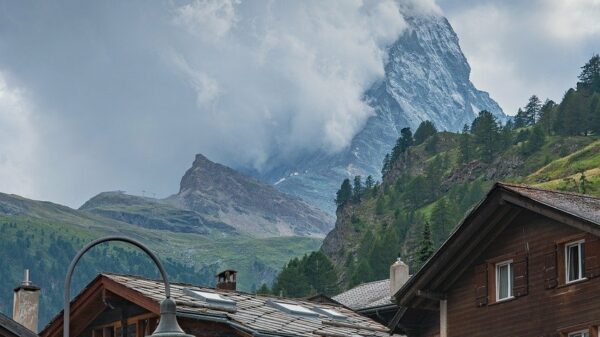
<point>214,198</point>
<point>426,78</point>
<point>221,193</point>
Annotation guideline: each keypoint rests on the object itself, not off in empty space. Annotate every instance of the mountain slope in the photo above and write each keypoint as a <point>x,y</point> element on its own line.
<point>424,187</point>
<point>44,237</point>
<point>152,213</point>
<point>214,198</point>
<point>222,194</point>
<point>426,78</point>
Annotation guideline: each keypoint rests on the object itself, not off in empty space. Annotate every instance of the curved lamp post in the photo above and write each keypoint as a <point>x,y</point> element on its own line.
<point>167,326</point>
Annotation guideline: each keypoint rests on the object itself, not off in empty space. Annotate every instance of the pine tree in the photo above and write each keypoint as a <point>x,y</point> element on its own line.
<point>520,119</point>
<point>386,165</point>
<point>320,272</point>
<point>441,220</point>
<point>402,144</point>
<point>465,145</point>
<point>369,183</point>
<point>590,75</point>
<point>425,130</point>
<point>264,290</point>
<point>532,110</point>
<point>344,194</point>
<point>547,115</point>
<point>535,141</point>
<point>426,248</point>
<point>358,189</point>
<point>485,134</point>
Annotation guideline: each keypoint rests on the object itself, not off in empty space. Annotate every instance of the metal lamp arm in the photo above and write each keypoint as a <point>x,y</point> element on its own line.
<point>67,298</point>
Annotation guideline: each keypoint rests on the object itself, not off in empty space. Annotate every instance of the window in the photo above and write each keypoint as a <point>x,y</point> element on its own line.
<point>293,309</point>
<point>504,280</point>
<point>330,312</point>
<point>574,267</point>
<point>209,297</point>
<point>582,333</point>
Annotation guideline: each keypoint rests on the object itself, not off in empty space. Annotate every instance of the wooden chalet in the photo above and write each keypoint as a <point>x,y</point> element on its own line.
<point>115,305</point>
<point>524,262</point>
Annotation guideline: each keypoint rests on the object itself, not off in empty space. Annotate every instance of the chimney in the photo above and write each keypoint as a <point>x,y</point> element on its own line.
<point>26,304</point>
<point>227,279</point>
<point>398,276</point>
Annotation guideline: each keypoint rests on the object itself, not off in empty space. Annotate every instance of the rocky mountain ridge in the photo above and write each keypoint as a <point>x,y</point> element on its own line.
<point>426,78</point>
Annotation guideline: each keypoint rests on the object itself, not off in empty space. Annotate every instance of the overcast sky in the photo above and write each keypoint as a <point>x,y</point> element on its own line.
<point>120,95</point>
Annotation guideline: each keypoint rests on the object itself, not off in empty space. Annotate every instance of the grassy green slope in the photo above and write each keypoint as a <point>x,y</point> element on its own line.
<point>360,245</point>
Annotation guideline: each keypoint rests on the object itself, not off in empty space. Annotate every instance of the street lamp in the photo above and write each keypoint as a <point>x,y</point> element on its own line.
<point>167,326</point>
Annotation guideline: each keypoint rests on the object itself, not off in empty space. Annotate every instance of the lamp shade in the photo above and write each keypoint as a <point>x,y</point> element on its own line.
<point>168,326</point>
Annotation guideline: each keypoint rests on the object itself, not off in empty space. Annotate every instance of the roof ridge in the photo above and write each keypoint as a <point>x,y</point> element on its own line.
<point>225,291</point>
<point>530,187</point>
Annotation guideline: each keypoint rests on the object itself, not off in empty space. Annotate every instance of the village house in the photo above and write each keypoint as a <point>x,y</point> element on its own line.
<point>374,299</point>
<point>115,305</point>
<point>524,262</point>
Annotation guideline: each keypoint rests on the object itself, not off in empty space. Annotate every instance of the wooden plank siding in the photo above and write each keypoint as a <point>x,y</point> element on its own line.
<point>539,312</point>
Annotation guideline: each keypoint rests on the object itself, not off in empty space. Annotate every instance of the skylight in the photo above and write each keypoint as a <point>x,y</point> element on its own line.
<point>294,309</point>
<point>330,312</point>
<point>209,297</point>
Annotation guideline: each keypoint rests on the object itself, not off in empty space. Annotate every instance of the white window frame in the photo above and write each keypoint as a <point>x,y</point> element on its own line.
<point>581,275</point>
<point>582,333</point>
<point>511,295</point>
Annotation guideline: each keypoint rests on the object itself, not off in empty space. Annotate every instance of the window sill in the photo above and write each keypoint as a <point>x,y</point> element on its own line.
<point>504,300</point>
<point>572,282</point>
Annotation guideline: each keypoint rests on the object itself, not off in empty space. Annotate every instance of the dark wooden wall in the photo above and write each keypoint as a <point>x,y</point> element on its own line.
<point>541,312</point>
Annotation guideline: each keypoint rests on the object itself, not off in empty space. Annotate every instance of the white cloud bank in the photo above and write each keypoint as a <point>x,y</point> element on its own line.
<point>18,141</point>
<point>520,48</point>
<point>275,78</point>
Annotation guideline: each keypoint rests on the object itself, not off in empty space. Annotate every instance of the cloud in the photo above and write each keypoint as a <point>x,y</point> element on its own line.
<point>126,97</point>
<point>18,141</point>
<point>520,48</point>
<point>284,78</point>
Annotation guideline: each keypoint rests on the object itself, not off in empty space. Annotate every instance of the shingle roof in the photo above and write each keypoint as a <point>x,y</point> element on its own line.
<point>366,295</point>
<point>15,328</point>
<point>582,206</point>
<point>256,313</point>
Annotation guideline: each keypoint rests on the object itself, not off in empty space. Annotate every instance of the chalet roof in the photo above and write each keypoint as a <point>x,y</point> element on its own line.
<point>14,328</point>
<point>579,205</point>
<point>502,203</point>
<point>366,295</point>
<point>256,314</point>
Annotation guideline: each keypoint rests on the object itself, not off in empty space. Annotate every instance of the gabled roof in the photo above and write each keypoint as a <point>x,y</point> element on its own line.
<point>579,205</point>
<point>480,226</point>
<point>11,328</point>
<point>366,295</point>
<point>251,314</point>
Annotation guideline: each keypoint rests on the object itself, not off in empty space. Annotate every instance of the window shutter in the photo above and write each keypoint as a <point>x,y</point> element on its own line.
<point>520,274</point>
<point>550,270</point>
<point>481,285</point>
<point>592,256</point>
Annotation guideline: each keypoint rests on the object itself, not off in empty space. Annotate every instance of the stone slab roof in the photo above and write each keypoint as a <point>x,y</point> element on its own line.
<point>257,313</point>
<point>582,206</point>
<point>366,295</point>
<point>13,328</point>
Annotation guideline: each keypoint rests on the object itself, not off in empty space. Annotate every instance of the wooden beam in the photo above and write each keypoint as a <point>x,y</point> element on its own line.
<point>484,244</point>
<point>396,319</point>
<point>460,247</point>
<point>131,295</point>
<point>552,213</point>
<point>432,295</point>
